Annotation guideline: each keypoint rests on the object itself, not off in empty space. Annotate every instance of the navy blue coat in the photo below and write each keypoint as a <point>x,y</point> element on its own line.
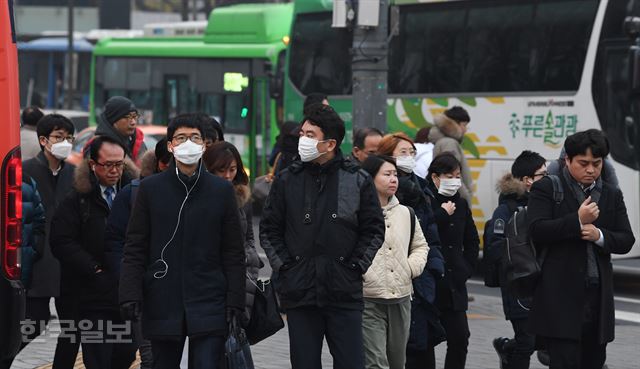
<point>425,328</point>
<point>206,259</point>
<point>512,195</point>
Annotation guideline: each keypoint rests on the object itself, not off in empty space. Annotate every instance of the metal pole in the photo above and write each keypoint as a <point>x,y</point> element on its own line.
<point>69,69</point>
<point>369,67</point>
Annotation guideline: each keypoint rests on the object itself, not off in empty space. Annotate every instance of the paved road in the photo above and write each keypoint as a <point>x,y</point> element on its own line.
<point>486,322</point>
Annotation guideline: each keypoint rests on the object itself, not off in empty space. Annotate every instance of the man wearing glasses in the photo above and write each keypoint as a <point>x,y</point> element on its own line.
<point>529,167</point>
<point>54,178</point>
<point>118,121</point>
<point>183,271</point>
<point>77,241</point>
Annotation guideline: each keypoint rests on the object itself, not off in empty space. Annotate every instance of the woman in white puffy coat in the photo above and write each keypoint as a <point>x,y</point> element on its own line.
<point>387,283</point>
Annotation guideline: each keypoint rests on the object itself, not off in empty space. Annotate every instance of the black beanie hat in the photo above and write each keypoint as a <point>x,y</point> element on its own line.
<point>118,107</point>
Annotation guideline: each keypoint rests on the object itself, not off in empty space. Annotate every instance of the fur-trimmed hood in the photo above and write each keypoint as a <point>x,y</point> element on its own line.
<point>243,194</point>
<point>445,127</point>
<point>148,164</point>
<point>508,185</point>
<point>83,183</point>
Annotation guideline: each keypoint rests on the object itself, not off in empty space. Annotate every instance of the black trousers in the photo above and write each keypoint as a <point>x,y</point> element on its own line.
<point>109,343</point>
<point>457,328</point>
<point>308,326</point>
<point>421,359</point>
<point>521,347</point>
<point>205,352</point>
<point>586,353</point>
<point>68,343</point>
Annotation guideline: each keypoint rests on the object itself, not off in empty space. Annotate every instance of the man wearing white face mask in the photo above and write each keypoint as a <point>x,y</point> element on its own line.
<point>54,178</point>
<point>321,228</point>
<point>185,249</point>
<point>460,247</point>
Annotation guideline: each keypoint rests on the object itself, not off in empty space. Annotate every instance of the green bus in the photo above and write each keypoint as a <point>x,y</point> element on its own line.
<point>226,73</point>
<point>530,73</point>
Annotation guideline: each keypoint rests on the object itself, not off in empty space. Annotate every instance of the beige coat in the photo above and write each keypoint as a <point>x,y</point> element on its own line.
<point>447,135</point>
<point>396,264</point>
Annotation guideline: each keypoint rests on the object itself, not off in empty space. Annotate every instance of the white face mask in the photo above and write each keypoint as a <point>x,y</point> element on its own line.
<point>308,149</point>
<point>449,186</point>
<point>406,163</point>
<point>61,149</point>
<point>188,152</point>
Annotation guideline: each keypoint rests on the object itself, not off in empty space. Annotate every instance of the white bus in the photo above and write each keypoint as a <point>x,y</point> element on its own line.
<point>530,73</point>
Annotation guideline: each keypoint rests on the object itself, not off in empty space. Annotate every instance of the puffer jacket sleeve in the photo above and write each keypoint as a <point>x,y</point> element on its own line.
<point>371,226</point>
<point>272,226</point>
<point>418,251</point>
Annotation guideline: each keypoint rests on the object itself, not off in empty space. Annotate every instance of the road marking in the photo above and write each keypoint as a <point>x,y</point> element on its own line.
<point>620,314</point>
<point>627,299</point>
<point>628,316</point>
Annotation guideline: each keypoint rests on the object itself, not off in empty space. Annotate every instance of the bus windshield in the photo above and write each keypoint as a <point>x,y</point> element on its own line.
<point>164,87</point>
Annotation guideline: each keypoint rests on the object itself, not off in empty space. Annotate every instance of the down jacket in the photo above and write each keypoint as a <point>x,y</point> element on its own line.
<point>322,249</point>
<point>396,263</point>
<point>447,135</point>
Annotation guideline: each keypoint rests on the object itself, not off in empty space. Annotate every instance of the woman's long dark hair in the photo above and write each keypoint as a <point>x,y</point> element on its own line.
<point>220,155</point>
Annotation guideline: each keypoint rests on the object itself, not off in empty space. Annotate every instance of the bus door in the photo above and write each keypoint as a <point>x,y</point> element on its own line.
<point>176,94</point>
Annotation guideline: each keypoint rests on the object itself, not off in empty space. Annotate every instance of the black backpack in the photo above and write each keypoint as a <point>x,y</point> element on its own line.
<point>520,259</point>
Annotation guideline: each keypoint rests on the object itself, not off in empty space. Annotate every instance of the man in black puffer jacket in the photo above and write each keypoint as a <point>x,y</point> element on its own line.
<point>321,228</point>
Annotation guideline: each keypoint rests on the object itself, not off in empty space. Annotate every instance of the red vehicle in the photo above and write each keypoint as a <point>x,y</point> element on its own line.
<point>12,295</point>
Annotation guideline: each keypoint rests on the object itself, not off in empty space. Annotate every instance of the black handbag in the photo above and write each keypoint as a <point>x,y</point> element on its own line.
<point>265,318</point>
<point>237,353</point>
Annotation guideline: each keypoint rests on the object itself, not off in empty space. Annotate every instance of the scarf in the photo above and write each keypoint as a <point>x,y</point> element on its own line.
<point>581,194</point>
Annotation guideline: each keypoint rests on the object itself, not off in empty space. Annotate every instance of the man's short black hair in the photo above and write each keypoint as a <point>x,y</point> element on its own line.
<point>52,122</point>
<point>458,113</point>
<point>526,164</point>
<point>579,142</point>
<point>162,151</point>
<point>96,144</point>
<point>329,122</point>
<point>31,115</point>
<point>314,98</point>
<point>361,134</point>
<point>189,120</point>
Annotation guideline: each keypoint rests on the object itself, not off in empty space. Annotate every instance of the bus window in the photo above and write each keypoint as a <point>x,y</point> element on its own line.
<point>319,58</point>
<point>162,88</point>
<point>491,47</point>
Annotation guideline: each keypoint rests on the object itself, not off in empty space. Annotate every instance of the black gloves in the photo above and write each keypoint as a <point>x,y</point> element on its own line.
<point>130,310</point>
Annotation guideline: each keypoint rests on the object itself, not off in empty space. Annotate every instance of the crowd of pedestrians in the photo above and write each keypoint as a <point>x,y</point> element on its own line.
<point>370,252</point>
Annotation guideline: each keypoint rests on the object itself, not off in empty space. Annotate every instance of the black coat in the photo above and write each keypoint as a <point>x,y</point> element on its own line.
<point>53,189</point>
<point>321,228</point>
<point>206,259</point>
<point>77,241</point>
<point>460,248</point>
<point>560,295</point>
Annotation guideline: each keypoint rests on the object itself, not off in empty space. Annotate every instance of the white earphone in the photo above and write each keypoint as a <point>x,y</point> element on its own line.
<point>165,266</point>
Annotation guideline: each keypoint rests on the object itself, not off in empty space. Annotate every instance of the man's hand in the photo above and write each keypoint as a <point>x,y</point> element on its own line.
<point>589,232</point>
<point>130,310</point>
<point>588,212</point>
<point>449,207</point>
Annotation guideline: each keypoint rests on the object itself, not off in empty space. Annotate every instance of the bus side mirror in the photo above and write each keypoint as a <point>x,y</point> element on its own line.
<point>634,70</point>
<point>632,29</point>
